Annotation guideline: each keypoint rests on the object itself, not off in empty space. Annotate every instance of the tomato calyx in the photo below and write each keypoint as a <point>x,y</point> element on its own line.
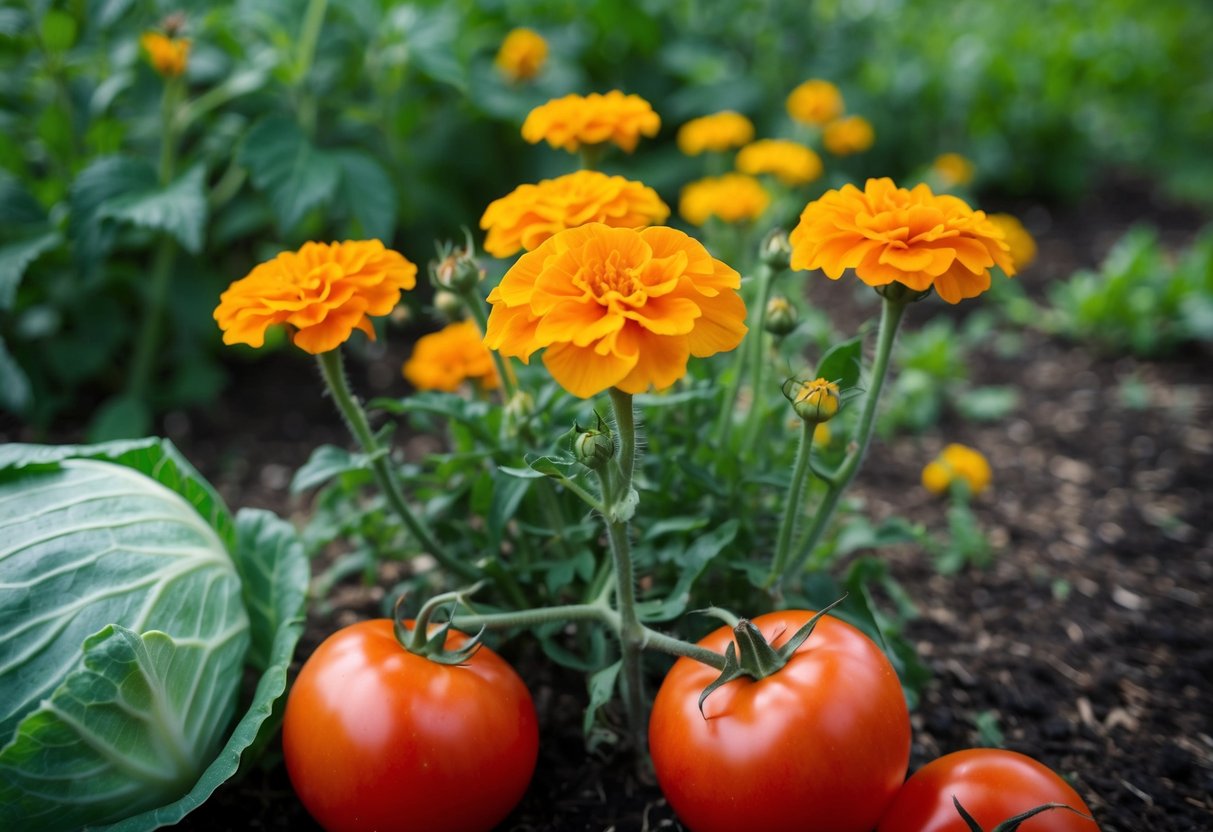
<point>1012,824</point>
<point>750,654</point>
<point>418,639</point>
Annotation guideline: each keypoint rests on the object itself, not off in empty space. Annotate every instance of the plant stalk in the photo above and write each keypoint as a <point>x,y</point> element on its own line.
<point>793,507</point>
<point>309,36</point>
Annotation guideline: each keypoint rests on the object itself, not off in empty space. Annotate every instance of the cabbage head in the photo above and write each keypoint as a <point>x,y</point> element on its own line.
<point>130,604</point>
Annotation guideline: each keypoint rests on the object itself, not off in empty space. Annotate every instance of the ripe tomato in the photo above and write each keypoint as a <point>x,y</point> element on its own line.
<point>993,785</point>
<point>377,738</point>
<point>821,745</point>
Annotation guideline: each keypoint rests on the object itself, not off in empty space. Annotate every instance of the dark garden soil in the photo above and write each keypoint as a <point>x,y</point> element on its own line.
<point>1088,642</point>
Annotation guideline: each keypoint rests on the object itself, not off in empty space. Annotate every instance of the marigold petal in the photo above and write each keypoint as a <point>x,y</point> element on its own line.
<point>661,360</point>
<point>721,326</point>
<point>578,323</point>
<point>583,371</point>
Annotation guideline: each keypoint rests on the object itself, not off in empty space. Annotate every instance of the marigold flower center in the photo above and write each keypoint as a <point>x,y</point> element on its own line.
<point>613,280</point>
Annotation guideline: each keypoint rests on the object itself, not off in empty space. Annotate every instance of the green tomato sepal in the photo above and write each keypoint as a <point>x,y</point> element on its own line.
<point>1012,824</point>
<point>432,645</point>
<point>750,654</point>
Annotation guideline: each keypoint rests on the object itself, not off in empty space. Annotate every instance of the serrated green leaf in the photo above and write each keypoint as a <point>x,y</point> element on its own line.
<point>285,165</point>
<point>178,209</point>
<point>368,194</point>
<point>105,179</point>
<point>841,363</point>
<point>696,558</point>
<point>15,258</point>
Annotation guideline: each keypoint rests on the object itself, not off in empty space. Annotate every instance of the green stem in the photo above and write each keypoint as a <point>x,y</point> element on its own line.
<point>534,618</point>
<point>749,356</point>
<point>309,36</point>
<point>890,318</point>
<point>631,631</point>
<point>758,362</point>
<point>625,425</point>
<point>792,506</point>
<point>385,476</point>
<point>509,383</point>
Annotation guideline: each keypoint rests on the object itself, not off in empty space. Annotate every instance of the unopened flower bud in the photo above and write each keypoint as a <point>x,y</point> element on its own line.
<point>448,305</point>
<point>455,270</point>
<point>776,251</point>
<point>814,401</point>
<point>520,407</point>
<point>594,448</point>
<point>901,293</point>
<point>781,316</point>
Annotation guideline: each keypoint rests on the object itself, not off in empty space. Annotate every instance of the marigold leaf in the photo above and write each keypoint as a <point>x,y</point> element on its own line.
<point>178,209</point>
<point>288,168</point>
<point>841,363</point>
<point>368,194</point>
<point>15,258</point>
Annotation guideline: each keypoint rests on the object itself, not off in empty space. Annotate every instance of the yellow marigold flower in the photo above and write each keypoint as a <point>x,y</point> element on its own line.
<point>1021,242</point>
<point>952,169</point>
<point>530,214</point>
<point>168,56</point>
<point>815,102</point>
<point>445,359</point>
<point>790,162</point>
<point>522,54</point>
<point>957,462</point>
<point>733,197</point>
<point>575,120</point>
<point>847,136</point>
<point>323,292</point>
<point>889,234</point>
<point>719,131</point>
<point>617,307</point>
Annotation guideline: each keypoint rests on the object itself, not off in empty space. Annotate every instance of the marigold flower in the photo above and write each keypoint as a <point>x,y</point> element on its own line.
<point>1020,241</point>
<point>952,169</point>
<point>733,197</point>
<point>522,54</point>
<point>790,162</point>
<point>719,131</point>
<point>957,462</point>
<point>617,307</point>
<point>815,102</point>
<point>847,136</point>
<point>575,120</point>
<point>168,56</point>
<point>323,292</point>
<point>530,214</point>
<point>445,359</point>
<point>887,234</point>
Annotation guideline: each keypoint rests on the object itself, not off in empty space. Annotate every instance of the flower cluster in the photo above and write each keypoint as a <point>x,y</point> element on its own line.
<point>323,292</point>
<point>815,102</point>
<point>717,132</point>
<point>888,234</point>
<point>575,120</point>
<point>617,307</point>
<point>531,214</point>
<point>957,463</point>
<point>846,136</point>
<point>445,359</point>
<point>522,54</point>
<point>734,197</point>
<point>1020,241</point>
<point>168,56</point>
<point>790,162</point>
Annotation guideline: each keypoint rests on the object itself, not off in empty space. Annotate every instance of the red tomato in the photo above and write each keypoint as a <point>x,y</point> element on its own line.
<point>822,745</point>
<point>377,738</point>
<point>993,785</point>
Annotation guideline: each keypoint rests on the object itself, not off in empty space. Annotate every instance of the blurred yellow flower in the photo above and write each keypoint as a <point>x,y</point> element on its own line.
<point>323,292</point>
<point>733,197</point>
<point>168,56</point>
<point>821,435</point>
<point>888,234</point>
<point>1021,242</point>
<point>575,120</point>
<point>522,54</point>
<point>815,102</point>
<point>530,214</point>
<point>790,162</point>
<point>445,359</point>
<point>849,135</point>
<point>957,462</point>
<point>952,169</point>
<point>617,307</point>
<point>719,131</point>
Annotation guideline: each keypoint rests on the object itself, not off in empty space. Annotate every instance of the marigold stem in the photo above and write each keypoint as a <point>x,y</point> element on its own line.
<point>793,507</point>
<point>509,383</point>
<point>746,355</point>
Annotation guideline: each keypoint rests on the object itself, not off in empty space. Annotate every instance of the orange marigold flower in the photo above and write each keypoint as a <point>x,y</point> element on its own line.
<point>1020,241</point>
<point>719,131</point>
<point>575,120</point>
<point>617,307</point>
<point>887,234</point>
<point>790,162</point>
<point>522,54</point>
<point>952,169</point>
<point>445,359</point>
<point>323,292</point>
<point>847,136</point>
<point>530,214</point>
<point>815,102</point>
<point>957,462</point>
<point>733,197</point>
<point>168,56</point>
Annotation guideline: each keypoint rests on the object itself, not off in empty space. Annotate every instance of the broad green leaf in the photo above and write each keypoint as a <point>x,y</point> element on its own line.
<point>288,168</point>
<point>368,193</point>
<point>274,574</point>
<point>15,259</point>
<point>841,363</point>
<point>17,205</point>
<point>105,179</point>
<point>121,417</point>
<point>326,462</point>
<point>178,209</point>
<point>15,391</point>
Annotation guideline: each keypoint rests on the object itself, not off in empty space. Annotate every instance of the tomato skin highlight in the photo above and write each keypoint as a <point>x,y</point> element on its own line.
<point>377,738</point>
<point>822,745</point>
<point>993,785</point>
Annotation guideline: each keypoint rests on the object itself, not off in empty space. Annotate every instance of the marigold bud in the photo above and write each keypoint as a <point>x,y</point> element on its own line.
<point>594,448</point>
<point>814,401</point>
<point>776,251</point>
<point>781,316</point>
<point>456,270</point>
